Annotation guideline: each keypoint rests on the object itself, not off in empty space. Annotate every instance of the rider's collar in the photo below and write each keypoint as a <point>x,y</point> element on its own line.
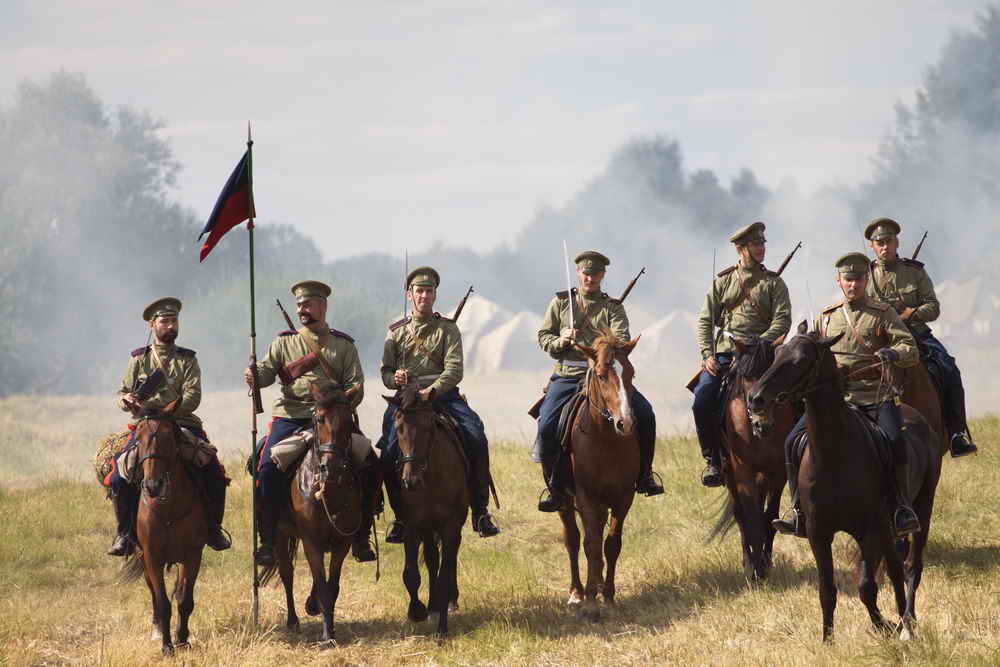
<point>318,329</point>
<point>417,317</point>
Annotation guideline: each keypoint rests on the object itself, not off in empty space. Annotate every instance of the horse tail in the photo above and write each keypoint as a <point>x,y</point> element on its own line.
<point>132,569</point>
<point>725,519</point>
<point>268,572</point>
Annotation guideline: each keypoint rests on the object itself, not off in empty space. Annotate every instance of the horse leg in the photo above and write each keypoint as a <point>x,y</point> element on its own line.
<point>914,566</point>
<point>411,576</point>
<point>593,536</point>
<point>161,602</point>
<point>155,633</point>
<point>337,555</point>
<point>448,574</point>
<point>612,549</point>
<point>571,538</point>
<point>822,548</point>
<point>771,511</point>
<point>894,568</point>
<point>432,559</point>
<point>314,554</point>
<point>871,546</point>
<point>186,579</point>
<point>282,553</point>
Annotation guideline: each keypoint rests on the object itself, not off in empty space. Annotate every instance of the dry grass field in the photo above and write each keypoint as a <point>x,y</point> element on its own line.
<point>680,600</point>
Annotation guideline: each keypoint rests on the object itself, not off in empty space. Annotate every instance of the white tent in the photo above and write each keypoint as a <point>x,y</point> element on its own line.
<point>511,346</point>
<point>668,342</point>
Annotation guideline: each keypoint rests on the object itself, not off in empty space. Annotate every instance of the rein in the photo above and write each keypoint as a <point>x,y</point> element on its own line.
<point>807,384</point>
<point>343,468</point>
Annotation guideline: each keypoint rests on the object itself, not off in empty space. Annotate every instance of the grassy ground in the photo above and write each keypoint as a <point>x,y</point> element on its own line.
<point>680,601</point>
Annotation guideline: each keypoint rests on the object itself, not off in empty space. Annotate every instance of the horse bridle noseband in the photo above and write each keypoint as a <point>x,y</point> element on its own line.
<point>167,477</point>
<point>807,383</point>
<point>414,458</point>
<point>343,468</point>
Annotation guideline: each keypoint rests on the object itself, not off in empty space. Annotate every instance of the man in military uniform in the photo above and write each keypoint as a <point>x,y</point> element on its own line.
<point>297,359</point>
<point>183,385</point>
<point>427,348</point>
<point>747,302</point>
<point>872,332</point>
<point>904,285</point>
<point>593,312</point>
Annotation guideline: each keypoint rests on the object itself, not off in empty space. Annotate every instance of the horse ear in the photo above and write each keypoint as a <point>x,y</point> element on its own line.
<point>590,352</point>
<point>171,406</point>
<point>779,340</point>
<point>803,327</point>
<point>830,341</point>
<point>626,348</point>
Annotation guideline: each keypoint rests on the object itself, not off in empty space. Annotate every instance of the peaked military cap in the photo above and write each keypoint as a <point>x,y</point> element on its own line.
<point>853,264</point>
<point>423,276</point>
<point>591,262</point>
<point>310,289</point>
<point>881,228</point>
<point>752,233</point>
<point>168,305</point>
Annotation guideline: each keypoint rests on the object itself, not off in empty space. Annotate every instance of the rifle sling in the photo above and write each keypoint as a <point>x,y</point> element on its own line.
<point>315,349</point>
<point>166,375</point>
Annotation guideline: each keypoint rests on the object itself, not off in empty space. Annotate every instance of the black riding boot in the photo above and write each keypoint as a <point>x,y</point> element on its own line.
<point>267,527</point>
<point>711,447</point>
<point>479,496</point>
<point>371,487</point>
<point>647,484</point>
<point>905,519</point>
<point>554,498</point>
<point>397,531</point>
<point>126,504</point>
<point>215,489</point>
<point>792,523</point>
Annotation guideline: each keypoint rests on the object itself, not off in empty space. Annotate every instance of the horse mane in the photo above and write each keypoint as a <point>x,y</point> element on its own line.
<point>608,337</point>
<point>332,393</point>
<point>408,396</point>
<point>753,362</point>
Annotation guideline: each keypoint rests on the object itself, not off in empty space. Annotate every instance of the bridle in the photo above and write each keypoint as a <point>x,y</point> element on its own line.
<point>159,418</point>
<point>343,468</point>
<point>425,459</point>
<point>602,405</point>
<point>807,384</point>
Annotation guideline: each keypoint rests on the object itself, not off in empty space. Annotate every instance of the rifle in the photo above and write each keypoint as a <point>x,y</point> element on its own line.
<point>919,246</point>
<point>789,258</point>
<point>628,289</point>
<point>288,320</point>
<point>461,305</point>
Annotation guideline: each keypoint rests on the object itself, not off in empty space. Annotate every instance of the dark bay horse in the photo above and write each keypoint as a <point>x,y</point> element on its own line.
<point>842,483</point>
<point>171,526</point>
<point>755,463</point>
<point>435,503</point>
<point>604,459</point>
<point>920,393</point>
<point>325,511</point>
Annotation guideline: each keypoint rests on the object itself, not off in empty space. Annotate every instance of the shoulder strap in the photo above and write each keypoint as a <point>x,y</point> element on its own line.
<point>166,375</point>
<point>315,349</point>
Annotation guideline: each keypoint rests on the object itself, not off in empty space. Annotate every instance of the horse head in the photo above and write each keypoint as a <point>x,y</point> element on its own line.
<point>794,371</point>
<point>334,423</point>
<point>156,448</point>
<point>414,431</point>
<point>612,389</point>
<point>750,361</point>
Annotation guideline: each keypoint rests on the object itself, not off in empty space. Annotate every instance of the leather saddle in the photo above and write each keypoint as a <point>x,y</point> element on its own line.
<point>883,448</point>
<point>566,416</point>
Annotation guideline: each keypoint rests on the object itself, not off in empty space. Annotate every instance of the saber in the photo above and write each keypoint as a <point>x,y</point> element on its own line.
<point>569,286</point>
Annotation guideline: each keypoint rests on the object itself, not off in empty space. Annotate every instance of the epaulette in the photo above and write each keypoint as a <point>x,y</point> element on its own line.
<point>912,262</point>
<point>726,272</point>
<point>832,308</point>
<point>289,332</point>
<point>878,305</point>
<point>400,323</point>
<point>341,334</point>
<point>184,352</point>
<point>563,294</point>
<point>139,351</point>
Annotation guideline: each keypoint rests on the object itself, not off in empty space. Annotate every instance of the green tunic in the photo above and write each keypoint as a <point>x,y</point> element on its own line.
<point>594,313</point>
<point>296,400</point>
<point>744,302</point>
<point>429,348</point>
<point>183,380</point>
<point>903,283</point>
<point>875,325</point>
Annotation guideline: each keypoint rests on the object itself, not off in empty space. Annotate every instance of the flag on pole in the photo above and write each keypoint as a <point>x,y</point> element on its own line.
<point>235,204</point>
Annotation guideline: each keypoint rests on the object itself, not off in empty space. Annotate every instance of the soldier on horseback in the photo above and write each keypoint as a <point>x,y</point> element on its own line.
<point>181,383</point>
<point>748,302</point>
<point>296,359</point>
<point>874,339</point>
<point>593,312</point>
<point>427,348</point>
<point>904,284</point>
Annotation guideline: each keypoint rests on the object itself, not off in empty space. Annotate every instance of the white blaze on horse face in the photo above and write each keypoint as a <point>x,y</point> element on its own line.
<point>626,407</point>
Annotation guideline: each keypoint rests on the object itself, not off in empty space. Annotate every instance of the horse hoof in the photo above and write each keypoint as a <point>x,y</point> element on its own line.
<point>453,605</point>
<point>312,607</point>
<point>167,649</point>
<point>417,612</point>
<point>574,598</point>
<point>156,635</point>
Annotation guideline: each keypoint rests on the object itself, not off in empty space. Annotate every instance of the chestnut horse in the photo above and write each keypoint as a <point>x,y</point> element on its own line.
<point>604,460</point>
<point>171,525</point>
<point>325,511</point>
<point>843,483</point>
<point>435,503</point>
<point>755,463</point>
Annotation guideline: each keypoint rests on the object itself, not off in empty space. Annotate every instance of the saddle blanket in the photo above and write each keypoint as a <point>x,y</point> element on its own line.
<point>883,448</point>
<point>286,453</point>
<point>119,450</point>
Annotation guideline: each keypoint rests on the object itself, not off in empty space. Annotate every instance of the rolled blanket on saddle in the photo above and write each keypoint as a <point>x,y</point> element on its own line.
<point>117,451</point>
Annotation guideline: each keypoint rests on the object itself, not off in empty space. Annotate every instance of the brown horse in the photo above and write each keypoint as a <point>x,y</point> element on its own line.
<point>755,463</point>
<point>435,502</point>
<point>325,511</point>
<point>920,393</point>
<point>171,526</point>
<point>842,481</point>
<point>604,460</point>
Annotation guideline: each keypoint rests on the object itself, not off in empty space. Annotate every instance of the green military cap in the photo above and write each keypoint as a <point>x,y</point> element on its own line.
<point>752,233</point>
<point>310,289</point>
<point>591,262</point>
<point>168,305</point>
<point>881,228</point>
<point>853,265</point>
<point>423,276</point>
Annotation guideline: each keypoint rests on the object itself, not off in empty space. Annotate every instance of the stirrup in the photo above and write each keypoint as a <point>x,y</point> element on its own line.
<point>484,525</point>
<point>712,476</point>
<point>396,533</point>
<point>961,446</point>
<point>220,539</point>
<point>264,555</point>
<point>551,501</point>
<point>791,523</point>
<point>905,525</point>
<point>653,484</point>
<point>122,546</point>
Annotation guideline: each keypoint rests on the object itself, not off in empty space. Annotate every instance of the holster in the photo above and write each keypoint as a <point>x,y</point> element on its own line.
<point>296,369</point>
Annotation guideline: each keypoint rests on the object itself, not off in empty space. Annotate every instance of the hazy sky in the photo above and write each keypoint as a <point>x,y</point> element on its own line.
<point>380,125</point>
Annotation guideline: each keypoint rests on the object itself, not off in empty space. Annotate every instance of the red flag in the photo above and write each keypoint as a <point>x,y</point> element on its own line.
<point>235,204</point>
